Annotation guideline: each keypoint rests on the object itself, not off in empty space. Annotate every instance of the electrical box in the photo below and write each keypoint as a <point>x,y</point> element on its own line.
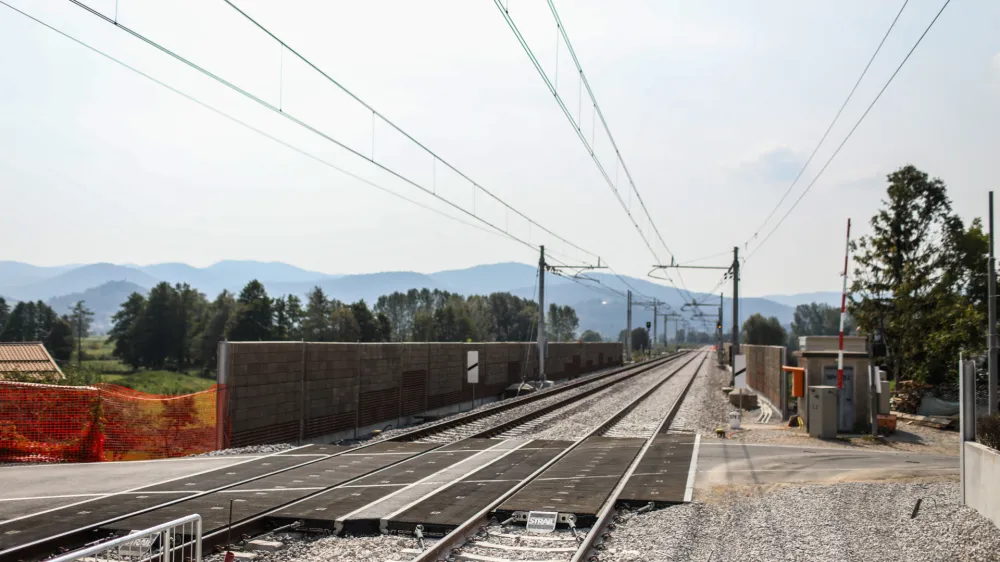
<point>822,418</point>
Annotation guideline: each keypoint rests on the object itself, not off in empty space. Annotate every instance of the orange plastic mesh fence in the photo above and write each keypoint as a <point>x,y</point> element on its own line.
<point>105,422</point>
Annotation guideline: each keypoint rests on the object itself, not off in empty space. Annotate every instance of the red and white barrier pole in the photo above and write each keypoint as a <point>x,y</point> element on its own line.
<point>843,312</point>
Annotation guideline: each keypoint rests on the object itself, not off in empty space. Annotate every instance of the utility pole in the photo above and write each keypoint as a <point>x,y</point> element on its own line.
<point>654,325</point>
<point>541,316</point>
<point>733,270</point>
<point>628,329</point>
<point>666,333</point>
<point>719,336</point>
<point>556,269</point>
<point>991,346</point>
<point>736,302</point>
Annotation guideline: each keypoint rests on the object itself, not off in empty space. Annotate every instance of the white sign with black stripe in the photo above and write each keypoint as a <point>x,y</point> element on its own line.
<point>472,367</point>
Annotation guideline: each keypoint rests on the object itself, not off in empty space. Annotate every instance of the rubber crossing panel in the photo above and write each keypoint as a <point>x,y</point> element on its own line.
<point>580,482</point>
<point>452,506</point>
<point>662,473</point>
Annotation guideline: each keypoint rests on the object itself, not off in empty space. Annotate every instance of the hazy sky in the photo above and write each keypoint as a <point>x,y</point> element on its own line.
<point>714,107</point>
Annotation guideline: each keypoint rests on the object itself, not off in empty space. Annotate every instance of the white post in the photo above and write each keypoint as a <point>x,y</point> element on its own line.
<point>967,411</point>
<point>843,313</point>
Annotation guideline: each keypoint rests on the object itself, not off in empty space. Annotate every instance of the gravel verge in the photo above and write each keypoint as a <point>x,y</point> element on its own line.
<point>249,450</point>
<point>855,521</point>
<point>706,408</point>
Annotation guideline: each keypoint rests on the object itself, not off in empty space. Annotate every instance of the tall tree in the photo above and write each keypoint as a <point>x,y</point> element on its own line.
<point>29,321</point>
<point>155,333</point>
<point>4,313</point>
<point>188,308</point>
<point>343,326</point>
<point>293,310</point>
<point>219,316</point>
<point>453,323</point>
<point>384,327</point>
<point>254,314</point>
<point>282,325</point>
<point>819,319</point>
<point>399,309</point>
<point>59,341</point>
<point>562,323</point>
<point>424,327</point>
<point>640,339</point>
<point>368,328</point>
<point>758,330</point>
<point>123,332</point>
<point>918,276</point>
<point>590,336</point>
<point>316,322</point>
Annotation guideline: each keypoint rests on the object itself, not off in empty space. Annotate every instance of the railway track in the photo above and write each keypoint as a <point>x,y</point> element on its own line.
<point>40,535</point>
<point>483,538</point>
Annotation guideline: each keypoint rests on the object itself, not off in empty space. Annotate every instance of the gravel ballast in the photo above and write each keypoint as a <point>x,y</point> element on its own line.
<point>249,450</point>
<point>590,411</point>
<point>500,417</point>
<point>644,418</point>
<point>857,521</point>
<point>379,548</point>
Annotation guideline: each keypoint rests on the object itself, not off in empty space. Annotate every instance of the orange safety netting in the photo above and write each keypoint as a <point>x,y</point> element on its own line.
<point>105,422</point>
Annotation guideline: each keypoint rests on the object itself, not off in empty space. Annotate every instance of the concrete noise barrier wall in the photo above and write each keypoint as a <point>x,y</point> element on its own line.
<point>305,391</point>
<point>764,374</point>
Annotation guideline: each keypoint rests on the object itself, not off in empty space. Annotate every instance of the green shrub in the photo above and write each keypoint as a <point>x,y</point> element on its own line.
<point>988,431</point>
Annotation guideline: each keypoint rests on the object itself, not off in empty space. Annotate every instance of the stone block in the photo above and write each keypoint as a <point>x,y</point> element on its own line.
<point>264,546</point>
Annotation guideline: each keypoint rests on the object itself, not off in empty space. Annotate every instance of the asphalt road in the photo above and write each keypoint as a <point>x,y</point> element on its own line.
<point>734,464</point>
<point>28,489</point>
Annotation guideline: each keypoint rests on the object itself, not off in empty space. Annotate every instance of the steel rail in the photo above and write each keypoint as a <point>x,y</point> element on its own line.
<point>441,549</point>
<point>484,412</point>
<point>590,544</point>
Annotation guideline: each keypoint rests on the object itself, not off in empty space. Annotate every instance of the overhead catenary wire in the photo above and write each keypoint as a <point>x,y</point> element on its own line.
<point>851,132</point>
<point>287,115</point>
<point>383,118</point>
<point>578,129</point>
<point>832,123</point>
<point>252,128</point>
<point>566,111</point>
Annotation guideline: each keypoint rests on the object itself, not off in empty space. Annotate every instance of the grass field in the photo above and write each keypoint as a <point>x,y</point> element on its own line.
<point>160,382</point>
<point>98,358</point>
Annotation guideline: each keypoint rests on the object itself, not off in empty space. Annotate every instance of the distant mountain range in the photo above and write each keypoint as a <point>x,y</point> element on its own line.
<point>105,286</point>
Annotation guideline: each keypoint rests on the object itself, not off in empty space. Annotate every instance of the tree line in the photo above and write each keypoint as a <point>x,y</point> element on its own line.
<point>36,321</point>
<point>435,315</point>
<point>813,319</point>
<point>176,327</point>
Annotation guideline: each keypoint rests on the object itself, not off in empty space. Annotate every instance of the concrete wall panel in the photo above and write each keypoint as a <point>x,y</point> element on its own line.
<point>291,391</point>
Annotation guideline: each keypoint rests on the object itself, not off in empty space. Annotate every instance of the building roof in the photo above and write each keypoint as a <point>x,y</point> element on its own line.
<point>27,358</point>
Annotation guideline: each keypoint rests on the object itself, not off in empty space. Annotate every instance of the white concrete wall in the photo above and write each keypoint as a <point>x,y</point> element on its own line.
<point>982,480</point>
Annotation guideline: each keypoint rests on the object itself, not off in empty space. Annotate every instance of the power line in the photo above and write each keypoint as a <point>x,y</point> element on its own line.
<point>303,124</point>
<point>839,147</point>
<point>832,123</point>
<point>582,136</point>
<point>250,127</point>
<point>382,117</point>
<point>579,130</point>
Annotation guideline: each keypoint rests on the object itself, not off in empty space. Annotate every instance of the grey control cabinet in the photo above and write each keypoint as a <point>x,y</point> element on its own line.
<point>822,418</point>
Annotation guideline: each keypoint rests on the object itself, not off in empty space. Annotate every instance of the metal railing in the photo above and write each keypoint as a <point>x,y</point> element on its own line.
<point>175,541</point>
